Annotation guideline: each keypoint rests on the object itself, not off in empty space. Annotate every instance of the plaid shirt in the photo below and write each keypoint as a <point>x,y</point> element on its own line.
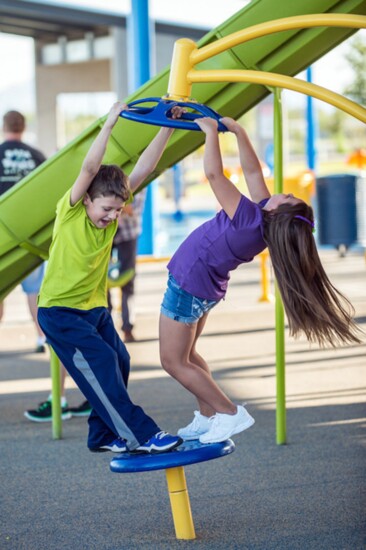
<point>130,225</point>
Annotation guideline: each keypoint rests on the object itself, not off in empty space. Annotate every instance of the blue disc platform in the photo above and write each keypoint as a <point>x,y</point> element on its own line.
<point>190,452</point>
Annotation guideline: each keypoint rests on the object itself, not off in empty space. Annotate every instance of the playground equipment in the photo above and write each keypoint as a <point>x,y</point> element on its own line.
<point>187,55</point>
<point>190,452</point>
<point>24,239</point>
<point>160,113</point>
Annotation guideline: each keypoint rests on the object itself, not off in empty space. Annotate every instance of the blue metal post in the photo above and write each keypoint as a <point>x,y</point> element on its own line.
<point>138,74</point>
<point>177,186</point>
<point>311,127</point>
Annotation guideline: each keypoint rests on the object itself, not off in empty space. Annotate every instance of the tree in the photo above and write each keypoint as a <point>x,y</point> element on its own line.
<point>356,57</point>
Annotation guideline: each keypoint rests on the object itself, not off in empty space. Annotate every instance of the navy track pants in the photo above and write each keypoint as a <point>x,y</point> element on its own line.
<point>96,358</point>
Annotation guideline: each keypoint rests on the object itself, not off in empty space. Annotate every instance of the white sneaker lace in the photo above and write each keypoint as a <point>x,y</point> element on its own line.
<point>194,425</point>
<point>161,434</point>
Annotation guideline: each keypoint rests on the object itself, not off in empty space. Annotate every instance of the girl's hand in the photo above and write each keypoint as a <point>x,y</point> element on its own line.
<point>207,124</point>
<point>231,124</point>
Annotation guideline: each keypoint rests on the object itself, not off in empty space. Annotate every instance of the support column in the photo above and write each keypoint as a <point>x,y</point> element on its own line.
<point>179,501</point>
<point>138,74</point>
<point>280,321</point>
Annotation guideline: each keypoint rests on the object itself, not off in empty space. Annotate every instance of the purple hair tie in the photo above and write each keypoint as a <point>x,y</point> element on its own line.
<point>305,220</point>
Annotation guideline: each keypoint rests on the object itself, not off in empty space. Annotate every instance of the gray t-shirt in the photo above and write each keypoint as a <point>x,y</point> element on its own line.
<point>17,160</point>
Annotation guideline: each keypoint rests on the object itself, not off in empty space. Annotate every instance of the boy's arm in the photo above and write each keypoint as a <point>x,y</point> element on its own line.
<point>249,161</point>
<point>225,191</point>
<point>94,156</point>
<point>150,157</point>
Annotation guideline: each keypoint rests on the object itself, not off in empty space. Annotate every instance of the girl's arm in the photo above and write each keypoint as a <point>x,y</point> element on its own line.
<point>94,156</point>
<point>249,161</point>
<point>150,157</point>
<point>225,191</point>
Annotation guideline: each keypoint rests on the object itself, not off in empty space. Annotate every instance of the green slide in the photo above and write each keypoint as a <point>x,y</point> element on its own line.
<point>27,211</point>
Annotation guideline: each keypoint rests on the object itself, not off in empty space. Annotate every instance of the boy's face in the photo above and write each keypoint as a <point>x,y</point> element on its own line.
<point>102,211</point>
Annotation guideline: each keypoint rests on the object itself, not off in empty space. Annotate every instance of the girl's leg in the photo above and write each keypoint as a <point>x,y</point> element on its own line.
<point>177,349</point>
<point>198,360</point>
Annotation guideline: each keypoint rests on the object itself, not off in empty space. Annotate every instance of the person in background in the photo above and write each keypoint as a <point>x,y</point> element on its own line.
<point>17,160</point>
<point>125,244</point>
<point>43,413</point>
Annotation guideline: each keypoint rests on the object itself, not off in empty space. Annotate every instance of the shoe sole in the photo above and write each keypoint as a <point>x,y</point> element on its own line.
<point>155,451</point>
<point>100,450</point>
<point>65,416</point>
<point>78,415</point>
<point>237,430</point>
<point>191,437</point>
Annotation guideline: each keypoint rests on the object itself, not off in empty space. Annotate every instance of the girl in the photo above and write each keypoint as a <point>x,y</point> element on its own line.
<point>200,269</point>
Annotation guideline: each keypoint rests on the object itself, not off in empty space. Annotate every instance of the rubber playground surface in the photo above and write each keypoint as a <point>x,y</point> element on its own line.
<point>308,494</point>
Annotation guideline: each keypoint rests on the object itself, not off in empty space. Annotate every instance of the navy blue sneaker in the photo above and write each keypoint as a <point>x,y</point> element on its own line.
<point>118,445</point>
<point>82,410</point>
<point>160,443</point>
<point>44,412</point>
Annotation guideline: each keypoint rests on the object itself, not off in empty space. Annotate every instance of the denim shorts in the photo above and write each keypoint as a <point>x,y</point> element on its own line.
<point>32,283</point>
<point>183,306</point>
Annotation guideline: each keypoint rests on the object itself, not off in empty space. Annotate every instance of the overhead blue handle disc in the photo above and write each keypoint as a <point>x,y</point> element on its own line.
<point>160,113</point>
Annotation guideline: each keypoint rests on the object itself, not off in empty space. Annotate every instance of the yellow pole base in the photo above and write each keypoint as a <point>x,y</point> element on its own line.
<point>179,502</point>
<point>265,280</point>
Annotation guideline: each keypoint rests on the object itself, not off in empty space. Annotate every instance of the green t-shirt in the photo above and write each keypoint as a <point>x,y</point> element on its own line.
<point>76,273</point>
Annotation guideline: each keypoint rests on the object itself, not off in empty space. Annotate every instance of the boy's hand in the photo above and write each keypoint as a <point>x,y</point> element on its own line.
<point>207,124</point>
<point>177,111</point>
<point>115,112</point>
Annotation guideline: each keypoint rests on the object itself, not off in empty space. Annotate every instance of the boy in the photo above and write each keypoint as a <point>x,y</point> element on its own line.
<point>73,298</point>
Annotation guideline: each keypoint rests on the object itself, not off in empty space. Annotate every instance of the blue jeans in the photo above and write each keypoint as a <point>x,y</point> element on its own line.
<point>32,283</point>
<point>182,306</point>
<point>96,358</point>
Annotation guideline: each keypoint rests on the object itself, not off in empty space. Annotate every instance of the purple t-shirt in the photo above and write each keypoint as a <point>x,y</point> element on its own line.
<point>203,262</point>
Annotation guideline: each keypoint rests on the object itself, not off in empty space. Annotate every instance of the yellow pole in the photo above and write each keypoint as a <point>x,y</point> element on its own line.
<point>281,81</point>
<point>270,27</point>
<point>266,295</point>
<point>179,502</point>
<point>179,87</point>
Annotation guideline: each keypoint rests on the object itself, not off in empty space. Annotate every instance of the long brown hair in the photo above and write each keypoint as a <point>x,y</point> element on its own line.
<point>312,304</point>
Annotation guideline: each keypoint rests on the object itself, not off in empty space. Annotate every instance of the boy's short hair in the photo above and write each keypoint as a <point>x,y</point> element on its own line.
<point>110,180</point>
<point>13,121</point>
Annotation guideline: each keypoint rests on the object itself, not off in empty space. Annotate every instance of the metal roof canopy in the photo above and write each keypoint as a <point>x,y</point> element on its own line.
<point>47,22</point>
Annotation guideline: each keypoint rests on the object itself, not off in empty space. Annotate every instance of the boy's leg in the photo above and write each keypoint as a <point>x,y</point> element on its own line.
<point>89,347</point>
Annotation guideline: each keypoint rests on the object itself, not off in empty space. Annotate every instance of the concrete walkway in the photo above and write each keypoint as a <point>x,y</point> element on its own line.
<point>306,495</point>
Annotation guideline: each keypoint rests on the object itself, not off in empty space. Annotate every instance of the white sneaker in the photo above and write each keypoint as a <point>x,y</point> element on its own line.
<point>226,425</point>
<point>199,426</point>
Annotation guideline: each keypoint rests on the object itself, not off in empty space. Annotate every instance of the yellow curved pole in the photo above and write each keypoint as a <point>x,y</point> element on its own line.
<point>281,81</point>
<point>277,25</point>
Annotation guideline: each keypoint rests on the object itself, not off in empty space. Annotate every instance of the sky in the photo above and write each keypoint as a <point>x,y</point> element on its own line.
<point>17,61</point>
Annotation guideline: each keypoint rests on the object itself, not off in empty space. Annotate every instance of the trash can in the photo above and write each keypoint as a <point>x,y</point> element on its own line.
<point>337,218</point>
